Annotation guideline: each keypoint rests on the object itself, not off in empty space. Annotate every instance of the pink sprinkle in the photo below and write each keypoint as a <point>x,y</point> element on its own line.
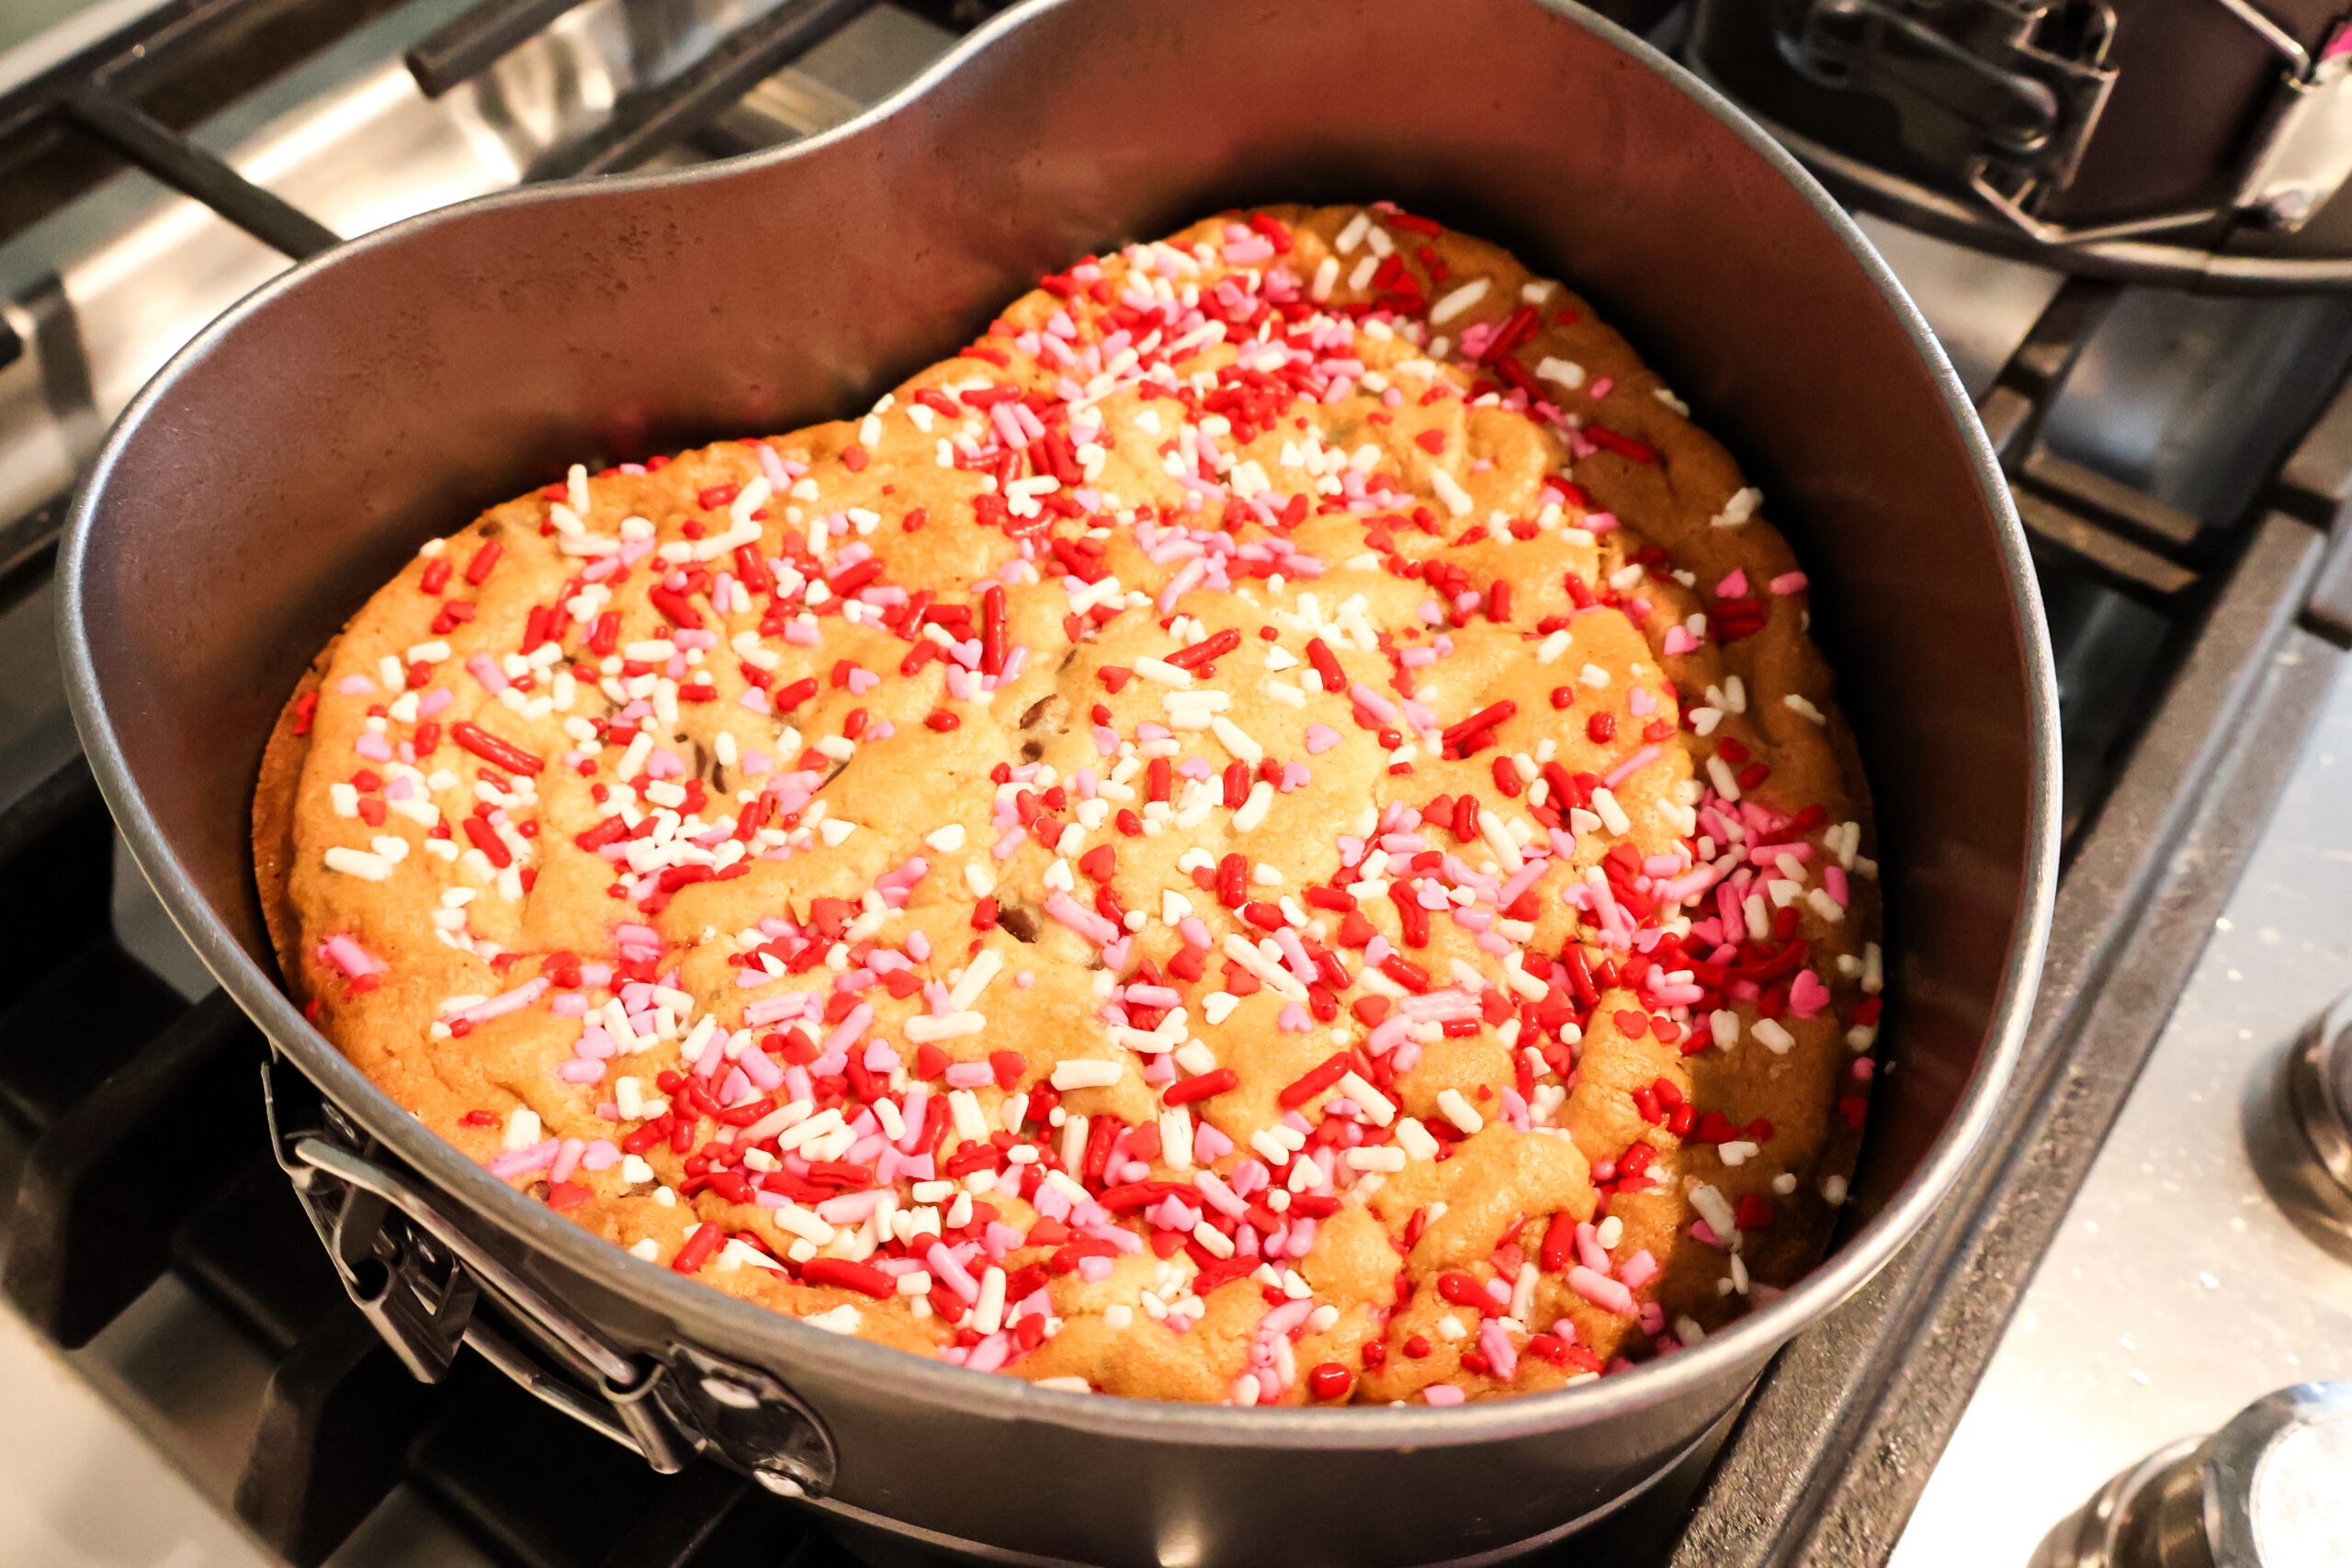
<point>1379,707</point>
<point>1732,587</point>
<point>850,1030</point>
<point>1498,1348</point>
<point>354,685</point>
<point>947,1272</point>
<point>350,957</point>
<point>850,1208</point>
<point>580,1069</point>
<point>486,670</point>
<point>1639,1270</point>
<point>566,1159</point>
<point>1605,1294</point>
<point>436,700</point>
<point>1630,766</point>
<point>373,747</point>
<point>1067,910</point>
<point>522,1162</point>
<point>1443,1394</point>
<point>505,1002</point>
<point>1678,640</point>
<point>756,701</point>
<point>1594,1256</point>
<point>1320,737</point>
<point>1789,582</point>
<point>1807,994</point>
<point>969,1075</point>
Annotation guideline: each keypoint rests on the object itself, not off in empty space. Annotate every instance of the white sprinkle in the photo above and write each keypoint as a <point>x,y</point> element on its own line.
<point>984,966</point>
<point>1160,670</point>
<point>358,862</point>
<point>1800,704</point>
<point>1775,1038</point>
<point>1716,1210</point>
<point>1459,1112</point>
<point>964,1108</point>
<point>1237,740</point>
<point>523,1129</point>
<point>802,1223</point>
<point>1566,372</point>
<point>1086,1072</point>
<point>1739,508</point>
<point>1377,1108</point>
<point>1461,299</point>
<point>987,1312</point>
<point>1217,1006</point>
<point>1252,811</point>
<point>923,1029</point>
<point>1457,500</point>
<point>1613,816</point>
<point>947,839</point>
<point>1416,1140</point>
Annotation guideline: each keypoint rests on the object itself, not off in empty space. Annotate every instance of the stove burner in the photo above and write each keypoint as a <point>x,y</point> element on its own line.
<point>2319,1088</point>
<point>2263,1492</point>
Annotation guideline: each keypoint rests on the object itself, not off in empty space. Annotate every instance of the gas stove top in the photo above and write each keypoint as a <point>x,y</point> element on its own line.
<point>2122,1276</point>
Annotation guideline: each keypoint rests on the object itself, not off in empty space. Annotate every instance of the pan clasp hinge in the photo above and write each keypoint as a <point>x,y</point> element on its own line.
<point>429,1288</point>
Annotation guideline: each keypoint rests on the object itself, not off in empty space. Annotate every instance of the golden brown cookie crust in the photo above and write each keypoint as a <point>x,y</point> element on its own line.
<point>1476,1273</point>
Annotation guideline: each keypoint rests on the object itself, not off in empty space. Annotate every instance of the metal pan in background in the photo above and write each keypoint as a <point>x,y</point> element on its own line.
<point>286,463</point>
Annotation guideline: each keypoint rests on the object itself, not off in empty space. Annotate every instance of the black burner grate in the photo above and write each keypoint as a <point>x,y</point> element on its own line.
<point>106,1071</point>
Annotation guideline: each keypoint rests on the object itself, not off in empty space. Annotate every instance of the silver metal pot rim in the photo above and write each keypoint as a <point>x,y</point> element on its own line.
<point>1847,1269</point>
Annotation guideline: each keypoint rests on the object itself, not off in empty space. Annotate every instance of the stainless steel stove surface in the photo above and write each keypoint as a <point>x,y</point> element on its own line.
<point>2179,1290</point>
<point>189,1386</point>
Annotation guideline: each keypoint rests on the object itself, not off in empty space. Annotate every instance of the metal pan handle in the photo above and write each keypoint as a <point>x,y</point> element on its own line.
<point>423,1280</point>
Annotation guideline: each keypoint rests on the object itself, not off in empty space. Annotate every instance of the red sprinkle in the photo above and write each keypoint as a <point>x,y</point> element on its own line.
<point>697,1250</point>
<point>1201,1087</point>
<point>1317,1080</point>
<point>491,749</point>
